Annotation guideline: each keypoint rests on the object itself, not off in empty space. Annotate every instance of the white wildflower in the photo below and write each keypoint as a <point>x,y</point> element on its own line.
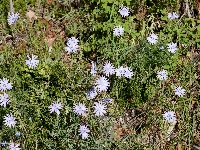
<point>13,146</point>
<point>32,61</point>
<point>108,69</point>
<point>4,100</point>
<point>162,75</point>
<point>80,109</point>
<point>170,116</point>
<point>91,94</point>
<point>99,108</point>
<point>5,85</point>
<point>93,70</point>
<point>173,15</point>
<point>152,39</point>
<point>72,45</point>
<point>3,143</point>
<point>9,120</point>
<point>128,73</point>
<point>124,11</point>
<point>12,18</point>
<point>118,30</point>
<point>172,47</point>
<point>179,91</point>
<point>83,130</point>
<point>102,84</point>
<point>55,107</point>
<point>120,71</point>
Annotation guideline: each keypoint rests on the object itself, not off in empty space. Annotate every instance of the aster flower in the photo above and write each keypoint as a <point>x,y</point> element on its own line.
<point>108,69</point>
<point>32,61</point>
<point>3,143</point>
<point>9,120</point>
<point>172,47</point>
<point>83,130</point>
<point>79,109</point>
<point>93,69</point>
<point>102,84</point>
<point>12,18</point>
<point>55,107</point>
<point>124,11</point>
<point>170,116</point>
<point>173,15</point>
<point>128,73</point>
<point>162,75</point>
<point>120,71</point>
<point>91,94</point>
<point>152,39</point>
<point>14,146</point>
<point>4,100</point>
<point>99,108</point>
<point>118,30</point>
<point>179,91</point>
<point>5,85</point>
<point>72,45</point>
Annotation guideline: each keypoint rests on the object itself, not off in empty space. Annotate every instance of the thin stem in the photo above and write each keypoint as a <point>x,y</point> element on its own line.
<point>11,7</point>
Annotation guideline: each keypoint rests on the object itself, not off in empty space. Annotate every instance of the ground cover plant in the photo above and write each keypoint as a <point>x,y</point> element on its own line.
<point>99,74</point>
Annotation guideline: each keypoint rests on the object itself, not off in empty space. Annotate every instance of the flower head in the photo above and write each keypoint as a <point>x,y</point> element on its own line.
<point>179,91</point>
<point>3,143</point>
<point>5,85</point>
<point>72,45</point>
<point>173,15</point>
<point>102,84</point>
<point>162,75</point>
<point>108,69</point>
<point>32,61</point>
<point>79,109</point>
<point>4,100</point>
<point>128,73</point>
<point>118,30</point>
<point>93,69</point>
<point>170,116</point>
<point>152,39</point>
<point>172,47</point>
<point>9,120</point>
<point>55,107</point>
<point>107,100</point>
<point>99,108</point>
<point>17,134</point>
<point>91,94</point>
<point>14,146</point>
<point>124,11</point>
<point>12,18</point>
<point>83,130</point>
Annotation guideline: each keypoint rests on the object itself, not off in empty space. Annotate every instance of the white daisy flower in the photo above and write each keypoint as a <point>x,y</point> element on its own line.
<point>91,94</point>
<point>152,39</point>
<point>162,75</point>
<point>12,18</point>
<point>4,100</point>
<point>93,70</point>
<point>55,107</point>
<point>179,91</point>
<point>128,73</point>
<point>5,85</point>
<point>120,71</point>
<point>124,11</point>
<point>173,15</point>
<point>32,62</point>
<point>102,84</point>
<point>170,116</point>
<point>9,120</point>
<point>172,47</point>
<point>99,108</point>
<point>80,109</point>
<point>108,69</point>
<point>72,45</point>
<point>13,146</point>
<point>83,130</point>
<point>118,30</point>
